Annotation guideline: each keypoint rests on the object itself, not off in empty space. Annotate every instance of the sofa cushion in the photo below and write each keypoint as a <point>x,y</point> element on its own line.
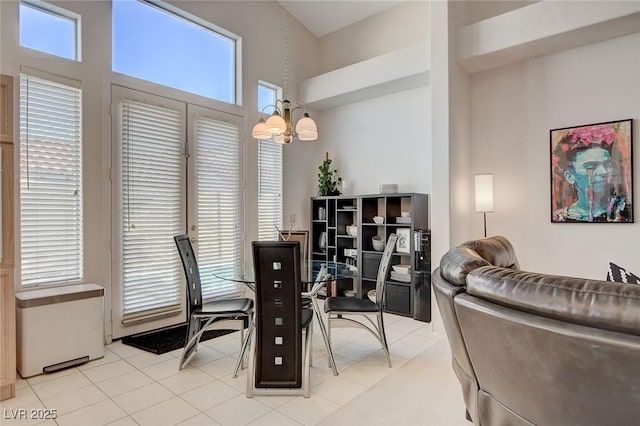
<point>620,275</point>
<point>459,261</point>
<point>601,304</point>
<point>497,250</point>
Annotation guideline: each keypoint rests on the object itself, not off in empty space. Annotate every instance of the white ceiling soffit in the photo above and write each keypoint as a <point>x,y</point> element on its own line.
<point>322,17</point>
<point>543,28</point>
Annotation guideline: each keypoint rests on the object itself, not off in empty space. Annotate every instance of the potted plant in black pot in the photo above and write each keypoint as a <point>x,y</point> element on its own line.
<point>328,178</point>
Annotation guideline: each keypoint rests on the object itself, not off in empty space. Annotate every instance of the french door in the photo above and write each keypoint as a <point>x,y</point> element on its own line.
<point>176,168</point>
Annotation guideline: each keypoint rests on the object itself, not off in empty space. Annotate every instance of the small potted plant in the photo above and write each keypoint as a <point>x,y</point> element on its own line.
<point>328,178</point>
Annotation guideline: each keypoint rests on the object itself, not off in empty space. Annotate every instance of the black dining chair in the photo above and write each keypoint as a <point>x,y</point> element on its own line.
<point>276,364</point>
<point>343,309</point>
<point>224,314</point>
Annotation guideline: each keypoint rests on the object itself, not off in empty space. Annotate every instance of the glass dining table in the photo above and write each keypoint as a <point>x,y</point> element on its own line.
<point>316,274</point>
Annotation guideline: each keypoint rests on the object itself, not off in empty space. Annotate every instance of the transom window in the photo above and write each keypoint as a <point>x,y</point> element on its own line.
<point>49,29</point>
<point>157,42</point>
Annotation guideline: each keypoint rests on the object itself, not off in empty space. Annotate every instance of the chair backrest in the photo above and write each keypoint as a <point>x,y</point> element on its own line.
<point>278,314</point>
<point>191,272</point>
<point>383,269</point>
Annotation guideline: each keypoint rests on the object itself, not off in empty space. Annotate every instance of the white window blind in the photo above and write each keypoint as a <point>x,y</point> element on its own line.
<point>50,181</point>
<point>152,199</point>
<point>217,195</point>
<point>269,189</point>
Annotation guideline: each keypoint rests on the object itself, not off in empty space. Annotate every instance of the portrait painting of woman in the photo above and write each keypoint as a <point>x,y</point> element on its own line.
<point>591,173</point>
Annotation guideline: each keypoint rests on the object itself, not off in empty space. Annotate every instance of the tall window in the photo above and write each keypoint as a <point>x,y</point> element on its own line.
<point>217,202</point>
<point>269,173</point>
<point>50,181</point>
<point>155,41</point>
<point>49,29</point>
<point>152,195</point>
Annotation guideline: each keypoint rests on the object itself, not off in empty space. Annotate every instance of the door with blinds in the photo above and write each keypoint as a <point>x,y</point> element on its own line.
<point>161,188</point>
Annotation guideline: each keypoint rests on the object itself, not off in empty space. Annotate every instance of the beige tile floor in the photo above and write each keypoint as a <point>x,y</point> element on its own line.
<point>132,387</point>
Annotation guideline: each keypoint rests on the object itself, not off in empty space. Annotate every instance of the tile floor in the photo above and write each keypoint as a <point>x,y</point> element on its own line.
<point>132,387</point>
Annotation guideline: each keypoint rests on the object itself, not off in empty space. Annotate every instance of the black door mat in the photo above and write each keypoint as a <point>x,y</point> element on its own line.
<point>167,339</point>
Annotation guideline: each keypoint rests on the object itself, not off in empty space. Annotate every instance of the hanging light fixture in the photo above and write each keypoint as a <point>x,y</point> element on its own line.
<point>279,124</point>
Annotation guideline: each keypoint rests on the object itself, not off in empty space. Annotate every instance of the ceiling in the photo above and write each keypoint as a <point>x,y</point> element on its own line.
<point>322,17</point>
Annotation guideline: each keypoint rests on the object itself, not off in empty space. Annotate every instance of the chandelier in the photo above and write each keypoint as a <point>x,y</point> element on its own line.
<point>278,126</point>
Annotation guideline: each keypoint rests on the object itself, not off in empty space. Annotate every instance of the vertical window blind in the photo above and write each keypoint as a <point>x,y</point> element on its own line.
<point>152,158</point>
<point>269,189</point>
<point>50,181</point>
<point>217,192</point>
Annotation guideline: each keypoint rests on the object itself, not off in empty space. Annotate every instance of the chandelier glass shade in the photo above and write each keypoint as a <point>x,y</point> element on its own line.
<point>280,128</point>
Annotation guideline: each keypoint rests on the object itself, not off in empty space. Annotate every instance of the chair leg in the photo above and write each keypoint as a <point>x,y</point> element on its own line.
<point>332,360</point>
<point>323,330</point>
<point>245,342</point>
<point>306,378</point>
<point>251,368</point>
<point>191,342</point>
<point>383,337</point>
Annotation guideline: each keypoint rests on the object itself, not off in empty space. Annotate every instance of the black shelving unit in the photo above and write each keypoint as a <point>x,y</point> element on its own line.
<point>409,298</point>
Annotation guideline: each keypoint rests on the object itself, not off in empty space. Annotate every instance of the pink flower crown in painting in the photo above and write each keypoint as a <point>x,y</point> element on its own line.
<point>583,137</point>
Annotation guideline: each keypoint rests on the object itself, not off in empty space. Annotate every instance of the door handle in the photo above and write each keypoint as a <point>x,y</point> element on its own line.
<point>194,240</point>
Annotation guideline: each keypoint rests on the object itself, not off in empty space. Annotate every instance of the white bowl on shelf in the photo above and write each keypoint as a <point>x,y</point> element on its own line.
<point>352,230</point>
<point>401,269</point>
<point>378,243</point>
<point>405,214</point>
<point>378,219</point>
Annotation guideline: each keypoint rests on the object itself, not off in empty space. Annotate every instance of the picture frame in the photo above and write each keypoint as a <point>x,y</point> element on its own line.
<point>301,236</point>
<point>591,169</point>
<point>403,245</point>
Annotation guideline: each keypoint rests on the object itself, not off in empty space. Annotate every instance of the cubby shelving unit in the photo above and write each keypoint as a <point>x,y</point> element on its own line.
<point>408,298</point>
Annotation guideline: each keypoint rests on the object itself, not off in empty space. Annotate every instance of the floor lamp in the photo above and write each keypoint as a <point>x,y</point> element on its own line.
<point>484,196</point>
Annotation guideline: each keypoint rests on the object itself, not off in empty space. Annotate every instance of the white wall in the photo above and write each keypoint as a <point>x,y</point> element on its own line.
<point>401,26</point>
<point>380,140</point>
<point>512,110</point>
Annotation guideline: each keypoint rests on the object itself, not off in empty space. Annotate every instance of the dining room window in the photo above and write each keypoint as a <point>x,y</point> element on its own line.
<point>176,170</point>
<point>51,225</point>
<point>50,29</point>
<point>155,41</point>
<point>269,172</point>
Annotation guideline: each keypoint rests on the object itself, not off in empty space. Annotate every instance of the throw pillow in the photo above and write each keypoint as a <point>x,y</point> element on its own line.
<point>621,275</point>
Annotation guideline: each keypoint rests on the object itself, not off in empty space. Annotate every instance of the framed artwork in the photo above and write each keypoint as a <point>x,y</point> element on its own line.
<point>592,173</point>
<point>404,235</point>
<point>301,236</point>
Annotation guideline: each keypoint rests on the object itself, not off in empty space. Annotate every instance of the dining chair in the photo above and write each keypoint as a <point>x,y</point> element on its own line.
<point>276,364</point>
<point>341,310</point>
<point>221,314</point>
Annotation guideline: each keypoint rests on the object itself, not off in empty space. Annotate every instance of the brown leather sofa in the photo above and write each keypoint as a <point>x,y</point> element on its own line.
<point>532,348</point>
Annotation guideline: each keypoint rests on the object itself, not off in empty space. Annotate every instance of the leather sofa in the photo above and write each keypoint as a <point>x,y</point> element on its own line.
<point>531,348</point>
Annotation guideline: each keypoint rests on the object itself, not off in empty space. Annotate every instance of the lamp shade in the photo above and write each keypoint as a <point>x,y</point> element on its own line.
<point>484,193</point>
<point>306,129</point>
<point>260,131</point>
<point>275,124</point>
